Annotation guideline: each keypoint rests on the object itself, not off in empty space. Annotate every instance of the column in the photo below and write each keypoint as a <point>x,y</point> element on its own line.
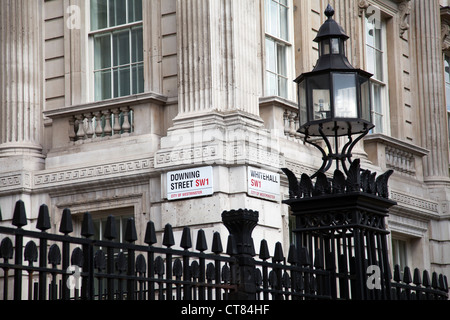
<point>426,31</point>
<point>20,77</point>
<point>219,47</point>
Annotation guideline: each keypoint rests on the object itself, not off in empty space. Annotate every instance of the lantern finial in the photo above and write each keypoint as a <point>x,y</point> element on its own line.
<point>329,11</point>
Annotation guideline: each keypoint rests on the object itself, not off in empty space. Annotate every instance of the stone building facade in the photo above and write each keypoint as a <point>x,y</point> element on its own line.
<point>109,106</point>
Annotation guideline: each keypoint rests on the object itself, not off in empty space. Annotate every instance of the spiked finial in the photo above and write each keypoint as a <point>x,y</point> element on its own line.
<point>66,222</point>
<point>329,11</point>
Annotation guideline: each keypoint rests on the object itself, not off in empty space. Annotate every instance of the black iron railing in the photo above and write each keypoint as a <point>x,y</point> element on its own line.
<point>39,265</point>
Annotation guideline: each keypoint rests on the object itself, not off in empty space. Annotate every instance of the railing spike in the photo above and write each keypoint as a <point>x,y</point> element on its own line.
<point>150,234</point>
<point>217,243</point>
<point>397,273</point>
<point>292,255</point>
<point>416,278</point>
<point>278,253</point>
<point>66,222</point>
<point>168,239</point>
<point>110,228</point>
<point>19,217</point>
<point>264,250</point>
<point>186,241</point>
<point>441,282</point>
<point>407,275</point>
<point>130,231</point>
<point>201,241</point>
<point>231,246</point>
<point>43,220</point>
<point>6,249</point>
<point>304,257</point>
<point>87,227</point>
<point>426,279</point>
<point>434,280</point>
<point>318,259</point>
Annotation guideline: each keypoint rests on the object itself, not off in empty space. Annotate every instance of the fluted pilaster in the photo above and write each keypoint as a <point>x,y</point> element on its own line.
<point>430,94</point>
<point>219,64</point>
<point>20,76</point>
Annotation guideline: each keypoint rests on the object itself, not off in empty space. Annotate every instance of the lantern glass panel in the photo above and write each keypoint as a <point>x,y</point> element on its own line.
<point>302,103</point>
<point>325,47</point>
<point>319,87</point>
<point>366,113</point>
<point>335,46</point>
<point>345,95</point>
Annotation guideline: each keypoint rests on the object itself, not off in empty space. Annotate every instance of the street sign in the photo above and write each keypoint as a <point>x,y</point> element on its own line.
<point>188,183</point>
<point>263,184</point>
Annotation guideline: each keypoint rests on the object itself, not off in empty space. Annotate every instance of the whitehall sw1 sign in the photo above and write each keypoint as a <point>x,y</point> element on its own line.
<point>263,184</point>
<point>188,183</point>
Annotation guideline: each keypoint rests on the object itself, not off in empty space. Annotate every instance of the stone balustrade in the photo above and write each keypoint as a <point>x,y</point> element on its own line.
<point>101,123</point>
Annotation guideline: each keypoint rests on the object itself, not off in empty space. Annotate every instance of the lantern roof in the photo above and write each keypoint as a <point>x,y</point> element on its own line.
<point>330,28</point>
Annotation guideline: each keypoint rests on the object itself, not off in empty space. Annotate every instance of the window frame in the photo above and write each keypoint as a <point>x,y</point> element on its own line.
<point>110,30</point>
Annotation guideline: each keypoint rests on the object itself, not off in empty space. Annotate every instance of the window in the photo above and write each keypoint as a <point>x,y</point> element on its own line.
<point>117,41</point>
<point>121,223</point>
<point>278,47</point>
<point>399,253</point>
<point>376,63</point>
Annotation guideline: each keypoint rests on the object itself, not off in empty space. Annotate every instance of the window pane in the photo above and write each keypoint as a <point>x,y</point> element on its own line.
<point>121,48</point>
<point>284,23</point>
<point>138,78</point>
<point>271,84</point>
<point>102,51</point>
<point>282,87</point>
<point>137,50</point>
<point>121,81</point>
<point>99,19</point>
<point>117,12</point>
<point>379,66</point>
<point>271,60</point>
<point>281,60</point>
<point>272,21</point>
<point>102,83</point>
<point>134,10</point>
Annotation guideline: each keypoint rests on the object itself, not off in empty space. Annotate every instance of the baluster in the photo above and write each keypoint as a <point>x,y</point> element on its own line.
<point>126,126</point>
<point>286,123</point>
<point>72,134</point>
<point>296,126</point>
<point>116,127</point>
<point>98,124</point>
<point>80,133</point>
<point>291,124</point>
<point>107,128</point>
<point>89,129</point>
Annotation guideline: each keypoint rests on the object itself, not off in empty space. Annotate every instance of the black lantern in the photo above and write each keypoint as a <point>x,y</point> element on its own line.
<point>334,98</point>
